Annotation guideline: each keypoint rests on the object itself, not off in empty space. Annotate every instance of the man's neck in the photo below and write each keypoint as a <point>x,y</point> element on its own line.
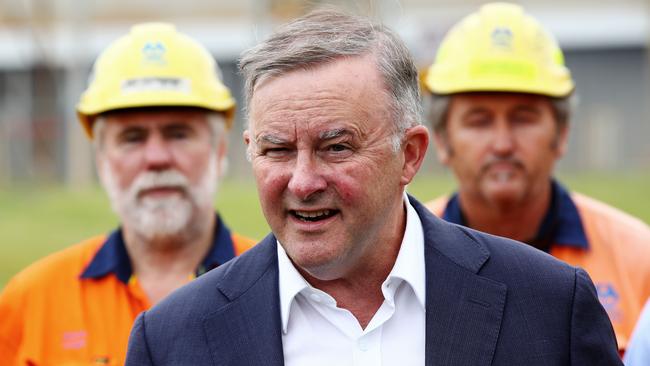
<point>361,296</point>
<point>519,221</point>
<point>165,264</point>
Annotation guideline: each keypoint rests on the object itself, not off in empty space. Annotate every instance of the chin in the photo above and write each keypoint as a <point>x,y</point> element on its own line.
<point>502,192</point>
<point>504,197</point>
<point>323,271</point>
<point>320,265</point>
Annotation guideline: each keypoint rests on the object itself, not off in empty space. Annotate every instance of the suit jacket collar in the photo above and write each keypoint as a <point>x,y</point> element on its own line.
<point>463,317</point>
<point>464,309</point>
<point>252,318</point>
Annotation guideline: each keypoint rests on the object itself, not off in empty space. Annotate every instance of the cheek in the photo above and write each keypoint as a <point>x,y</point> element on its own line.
<point>122,170</point>
<point>271,181</point>
<point>466,153</point>
<point>193,163</point>
<point>539,147</point>
<point>355,183</point>
<point>348,188</point>
<point>468,141</point>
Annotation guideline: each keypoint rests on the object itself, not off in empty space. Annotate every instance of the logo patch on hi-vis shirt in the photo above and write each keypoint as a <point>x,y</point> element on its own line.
<point>610,299</point>
<point>75,339</point>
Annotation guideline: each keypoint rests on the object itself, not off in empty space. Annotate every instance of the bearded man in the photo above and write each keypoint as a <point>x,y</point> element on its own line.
<point>157,114</point>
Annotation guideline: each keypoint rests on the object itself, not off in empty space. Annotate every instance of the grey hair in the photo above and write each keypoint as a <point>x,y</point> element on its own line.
<point>325,35</point>
<point>216,121</point>
<point>437,107</point>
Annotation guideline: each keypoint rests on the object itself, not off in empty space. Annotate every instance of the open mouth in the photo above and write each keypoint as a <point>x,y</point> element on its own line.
<point>313,216</point>
<point>503,176</point>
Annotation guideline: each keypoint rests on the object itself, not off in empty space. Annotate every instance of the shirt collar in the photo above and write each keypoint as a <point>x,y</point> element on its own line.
<point>290,282</point>
<point>561,225</point>
<point>409,266</point>
<point>113,257</point>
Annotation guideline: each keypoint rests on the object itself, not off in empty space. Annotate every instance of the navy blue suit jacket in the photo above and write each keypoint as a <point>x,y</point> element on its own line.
<point>489,301</point>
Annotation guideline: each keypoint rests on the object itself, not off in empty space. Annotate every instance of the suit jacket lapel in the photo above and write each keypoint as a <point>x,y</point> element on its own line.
<point>252,318</point>
<point>464,310</point>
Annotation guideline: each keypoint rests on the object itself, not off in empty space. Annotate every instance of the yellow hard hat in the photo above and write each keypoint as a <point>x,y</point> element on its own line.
<point>153,66</point>
<point>499,48</point>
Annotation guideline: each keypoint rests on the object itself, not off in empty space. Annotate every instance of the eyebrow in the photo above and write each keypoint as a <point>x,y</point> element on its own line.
<point>331,134</point>
<point>175,125</point>
<point>526,108</point>
<point>272,139</point>
<point>475,110</point>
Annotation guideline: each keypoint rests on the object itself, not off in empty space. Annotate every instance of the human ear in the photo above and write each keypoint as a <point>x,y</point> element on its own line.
<point>414,148</point>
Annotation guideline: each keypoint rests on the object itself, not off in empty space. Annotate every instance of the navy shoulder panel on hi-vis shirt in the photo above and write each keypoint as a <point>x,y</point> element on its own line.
<point>612,246</point>
<point>77,306</point>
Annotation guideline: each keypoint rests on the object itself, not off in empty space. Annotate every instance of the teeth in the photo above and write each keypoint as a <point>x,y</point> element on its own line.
<point>503,176</point>
<point>312,214</point>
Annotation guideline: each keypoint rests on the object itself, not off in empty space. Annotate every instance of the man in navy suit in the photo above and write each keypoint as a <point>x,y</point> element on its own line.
<point>356,271</point>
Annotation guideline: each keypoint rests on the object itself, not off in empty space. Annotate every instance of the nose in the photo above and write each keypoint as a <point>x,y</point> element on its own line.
<point>157,153</point>
<point>307,178</point>
<point>503,143</point>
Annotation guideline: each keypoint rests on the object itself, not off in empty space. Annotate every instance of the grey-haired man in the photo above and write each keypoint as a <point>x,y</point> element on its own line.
<point>356,272</point>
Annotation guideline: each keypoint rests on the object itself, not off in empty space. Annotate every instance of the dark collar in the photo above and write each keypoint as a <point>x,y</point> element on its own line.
<point>113,257</point>
<point>561,225</point>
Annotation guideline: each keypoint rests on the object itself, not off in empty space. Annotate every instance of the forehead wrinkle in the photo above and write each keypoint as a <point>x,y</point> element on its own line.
<point>316,108</point>
<point>306,99</point>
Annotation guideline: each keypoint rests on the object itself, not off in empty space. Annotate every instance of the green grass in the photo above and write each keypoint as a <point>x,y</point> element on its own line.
<point>38,221</point>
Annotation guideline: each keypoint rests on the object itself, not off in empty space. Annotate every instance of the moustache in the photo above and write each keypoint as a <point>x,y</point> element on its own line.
<point>163,179</point>
<point>494,160</point>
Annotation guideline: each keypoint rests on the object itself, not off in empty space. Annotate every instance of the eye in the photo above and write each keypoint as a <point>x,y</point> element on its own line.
<point>275,152</point>
<point>338,148</point>
<point>132,136</point>
<point>524,117</point>
<point>336,151</point>
<point>477,121</point>
<point>178,132</point>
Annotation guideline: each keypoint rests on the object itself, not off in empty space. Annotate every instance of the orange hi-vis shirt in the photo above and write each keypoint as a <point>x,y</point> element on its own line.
<point>612,246</point>
<point>77,306</point>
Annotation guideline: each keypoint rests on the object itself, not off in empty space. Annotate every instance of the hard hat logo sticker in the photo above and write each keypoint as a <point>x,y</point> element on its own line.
<point>154,52</point>
<point>148,84</point>
<point>502,38</point>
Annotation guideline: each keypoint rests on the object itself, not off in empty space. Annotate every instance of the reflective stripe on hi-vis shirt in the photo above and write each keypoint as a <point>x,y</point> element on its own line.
<point>77,306</point>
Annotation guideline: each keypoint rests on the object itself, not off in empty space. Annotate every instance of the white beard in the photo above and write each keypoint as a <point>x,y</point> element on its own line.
<point>161,219</point>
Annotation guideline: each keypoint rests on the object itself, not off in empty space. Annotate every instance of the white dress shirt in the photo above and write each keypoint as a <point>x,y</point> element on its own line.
<point>316,332</point>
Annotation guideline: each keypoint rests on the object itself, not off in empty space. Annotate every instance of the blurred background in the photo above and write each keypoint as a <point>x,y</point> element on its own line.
<point>49,196</point>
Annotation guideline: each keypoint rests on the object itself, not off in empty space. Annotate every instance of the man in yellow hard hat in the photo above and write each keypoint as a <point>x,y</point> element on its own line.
<point>500,99</point>
<point>158,115</point>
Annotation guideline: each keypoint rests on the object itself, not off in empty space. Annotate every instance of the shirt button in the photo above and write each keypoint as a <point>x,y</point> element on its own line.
<point>363,345</point>
<point>315,297</point>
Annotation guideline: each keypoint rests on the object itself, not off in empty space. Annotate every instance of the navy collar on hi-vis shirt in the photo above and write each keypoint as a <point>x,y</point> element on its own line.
<point>112,257</point>
<point>561,225</point>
